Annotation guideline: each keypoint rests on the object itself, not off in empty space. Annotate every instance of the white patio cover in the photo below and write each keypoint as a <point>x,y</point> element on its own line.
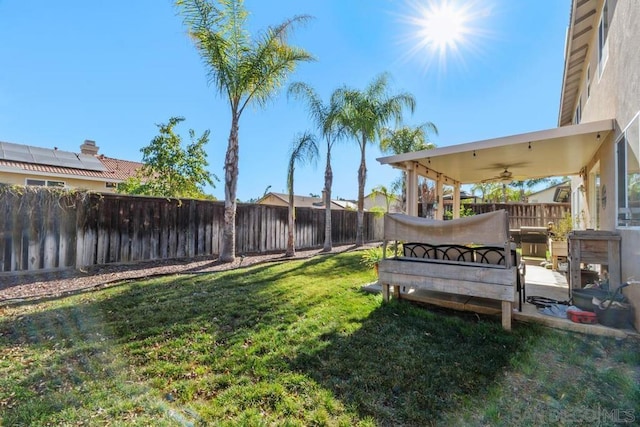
<point>490,228</point>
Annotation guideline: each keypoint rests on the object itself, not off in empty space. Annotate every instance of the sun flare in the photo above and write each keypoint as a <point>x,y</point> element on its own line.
<point>441,29</point>
<point>442,26</point>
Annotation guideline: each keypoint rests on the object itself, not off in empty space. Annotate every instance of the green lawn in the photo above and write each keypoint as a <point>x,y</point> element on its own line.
<point>296,343</point>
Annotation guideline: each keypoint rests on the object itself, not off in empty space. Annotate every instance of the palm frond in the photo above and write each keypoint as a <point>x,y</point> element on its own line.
<point>316,109</point>
<point>304,149</point>
<point>269,63</point>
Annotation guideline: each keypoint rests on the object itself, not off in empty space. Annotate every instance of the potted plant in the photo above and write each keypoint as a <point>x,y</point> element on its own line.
<point>558,235</point>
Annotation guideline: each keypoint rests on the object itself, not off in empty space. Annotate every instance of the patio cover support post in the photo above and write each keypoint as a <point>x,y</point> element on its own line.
<point>439,214</point>
<point>456,200</point>
<point>412,189</point>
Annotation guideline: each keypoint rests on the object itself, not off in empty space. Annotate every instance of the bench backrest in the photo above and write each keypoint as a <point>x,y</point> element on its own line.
<point>490,228</point>
<point>493,255</point>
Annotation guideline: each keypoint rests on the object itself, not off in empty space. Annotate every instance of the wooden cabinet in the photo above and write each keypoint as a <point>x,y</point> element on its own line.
<point>594,247</point>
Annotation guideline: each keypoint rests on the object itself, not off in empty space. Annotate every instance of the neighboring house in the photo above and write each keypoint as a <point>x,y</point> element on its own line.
<point>559,193</point>
<point>597,142</point>
<point>348,205</point>
<point>281,199</point>
<point>36,166</point>
<point>377,200</point>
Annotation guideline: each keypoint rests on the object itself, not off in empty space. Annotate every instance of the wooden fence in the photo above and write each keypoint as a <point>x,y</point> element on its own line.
<point>40,229</point>
<point>526,214</point>
<point>520,214</point>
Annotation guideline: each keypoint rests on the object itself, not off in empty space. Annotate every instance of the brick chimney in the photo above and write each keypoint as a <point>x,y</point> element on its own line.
<point>89,147</point>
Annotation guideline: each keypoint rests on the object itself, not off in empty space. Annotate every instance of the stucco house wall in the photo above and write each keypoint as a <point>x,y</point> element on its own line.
<point>378,200</point>
<point>100,185</point>
<point>613,94</point>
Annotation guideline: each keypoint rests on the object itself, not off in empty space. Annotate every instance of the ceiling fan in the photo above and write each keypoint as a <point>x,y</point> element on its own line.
<point>504,177</point>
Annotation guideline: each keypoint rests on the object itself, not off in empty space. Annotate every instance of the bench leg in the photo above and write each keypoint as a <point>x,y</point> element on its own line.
<point>396,291</point>
<point>506,315</point>
<point>385,292</point>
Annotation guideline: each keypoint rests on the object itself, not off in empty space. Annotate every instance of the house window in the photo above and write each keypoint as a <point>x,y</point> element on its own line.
<point>111,184</point>
<point>628,175</point>
<point>578,116</point>
<point>603,46</point>
<point>37,182</point>
<point>44,183</point>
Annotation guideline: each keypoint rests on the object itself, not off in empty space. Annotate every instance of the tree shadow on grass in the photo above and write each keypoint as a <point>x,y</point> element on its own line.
<point>202,338</point>
<point>410,366</point>
<point>83,342</point>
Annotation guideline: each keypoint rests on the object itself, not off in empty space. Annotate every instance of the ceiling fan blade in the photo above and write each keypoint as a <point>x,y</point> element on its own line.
<point>503,166</point>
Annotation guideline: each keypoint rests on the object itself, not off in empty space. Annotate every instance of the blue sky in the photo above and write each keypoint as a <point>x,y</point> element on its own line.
<point>72,70</point>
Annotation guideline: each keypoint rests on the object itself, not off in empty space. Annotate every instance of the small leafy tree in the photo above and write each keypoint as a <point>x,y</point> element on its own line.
<point>464,211</point>
<point>170,170</point>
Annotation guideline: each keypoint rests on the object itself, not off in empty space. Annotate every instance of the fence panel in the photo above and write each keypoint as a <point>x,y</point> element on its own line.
<point>44,229</point>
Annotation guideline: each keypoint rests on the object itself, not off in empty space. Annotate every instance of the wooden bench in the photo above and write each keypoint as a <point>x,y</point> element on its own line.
<point>469,256</point>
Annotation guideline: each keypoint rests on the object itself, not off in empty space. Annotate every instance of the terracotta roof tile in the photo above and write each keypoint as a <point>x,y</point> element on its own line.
<point>117,169</point>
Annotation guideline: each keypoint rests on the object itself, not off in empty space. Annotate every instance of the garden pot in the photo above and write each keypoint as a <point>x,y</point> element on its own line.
<point>582,298</point>
<point>614,317</point>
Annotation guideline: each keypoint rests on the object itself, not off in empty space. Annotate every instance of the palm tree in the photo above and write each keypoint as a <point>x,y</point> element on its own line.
<point>243,70</point>
<point>325,118</point>
<point>303,150</point>
<point>484,187</point>
<point>364,115</point>
<point>407,139</point>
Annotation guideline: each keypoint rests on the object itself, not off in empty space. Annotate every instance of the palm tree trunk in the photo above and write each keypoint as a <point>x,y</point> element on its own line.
<point>328,182</point>
<point>291,249</point>
<point>362,179</point>
<point>228,252</point>
<point>403,190</point>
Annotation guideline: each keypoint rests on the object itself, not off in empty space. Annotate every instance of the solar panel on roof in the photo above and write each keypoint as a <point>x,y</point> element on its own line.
<point>91,163</point>
<point>46,159</point>
<point>71,162</point>
<point>17,155</point>
<point>44,156</point>
<point>50,157</point>
<point>61,154</point>
<point>67,158</point>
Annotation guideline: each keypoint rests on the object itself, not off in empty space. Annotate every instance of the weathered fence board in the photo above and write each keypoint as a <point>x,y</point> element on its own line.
<point>40,229</point>
<point>44,230</point>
